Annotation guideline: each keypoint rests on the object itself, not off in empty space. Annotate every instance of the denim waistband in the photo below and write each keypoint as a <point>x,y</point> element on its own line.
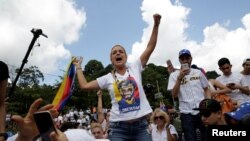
<point>133,122</point>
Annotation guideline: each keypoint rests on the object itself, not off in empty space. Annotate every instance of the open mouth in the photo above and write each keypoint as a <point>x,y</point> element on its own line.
<point>118,59</point>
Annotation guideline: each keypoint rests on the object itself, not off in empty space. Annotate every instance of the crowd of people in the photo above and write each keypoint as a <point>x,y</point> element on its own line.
<point>226,95</point>
<point>131,117</point>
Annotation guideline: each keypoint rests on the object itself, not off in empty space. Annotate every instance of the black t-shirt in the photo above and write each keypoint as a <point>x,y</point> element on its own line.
<point>4,71</point>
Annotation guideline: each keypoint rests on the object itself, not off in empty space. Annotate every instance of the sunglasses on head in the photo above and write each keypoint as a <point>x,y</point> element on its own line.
<point>159,117</point>
<point>206,114</point>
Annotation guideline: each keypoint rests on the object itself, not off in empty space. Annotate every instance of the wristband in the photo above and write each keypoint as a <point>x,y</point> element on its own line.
<point>78,68</point>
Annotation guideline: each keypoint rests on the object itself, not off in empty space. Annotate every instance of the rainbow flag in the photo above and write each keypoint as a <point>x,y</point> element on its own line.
<point>66,88</point>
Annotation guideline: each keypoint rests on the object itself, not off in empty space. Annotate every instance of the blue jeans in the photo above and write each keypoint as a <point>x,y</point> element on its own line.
<point>125,131</point>
<point>189,125</point>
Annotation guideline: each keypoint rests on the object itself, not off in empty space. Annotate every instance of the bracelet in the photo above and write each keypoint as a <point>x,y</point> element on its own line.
<point>78,68</point>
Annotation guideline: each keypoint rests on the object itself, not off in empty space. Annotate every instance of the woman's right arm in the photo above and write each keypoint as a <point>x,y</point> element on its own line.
<point>81,78</point>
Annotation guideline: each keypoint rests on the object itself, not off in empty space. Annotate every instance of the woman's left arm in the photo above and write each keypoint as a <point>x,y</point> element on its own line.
<point>152,42</point>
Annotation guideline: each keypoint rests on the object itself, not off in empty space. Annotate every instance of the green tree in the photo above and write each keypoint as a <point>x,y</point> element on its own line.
<point>30,77</point>
<point>150,77</point>
<point>28,89</point>
<point>93,67</point>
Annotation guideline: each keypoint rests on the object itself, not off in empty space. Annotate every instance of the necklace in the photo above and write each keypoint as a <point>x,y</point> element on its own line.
<point>116,79</point>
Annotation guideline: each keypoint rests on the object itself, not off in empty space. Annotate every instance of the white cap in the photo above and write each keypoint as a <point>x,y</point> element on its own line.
<point>247,60</point>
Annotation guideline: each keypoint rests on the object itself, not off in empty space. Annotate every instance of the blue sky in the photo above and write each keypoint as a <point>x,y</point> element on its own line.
<point>109,25</point>
<point>210,29</point>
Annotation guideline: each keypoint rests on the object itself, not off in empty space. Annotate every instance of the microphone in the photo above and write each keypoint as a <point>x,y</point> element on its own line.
<point>38,32</point>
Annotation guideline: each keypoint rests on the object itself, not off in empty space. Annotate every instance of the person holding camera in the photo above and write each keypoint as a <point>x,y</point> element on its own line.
<point>191,87</point>
<point>29,131</point>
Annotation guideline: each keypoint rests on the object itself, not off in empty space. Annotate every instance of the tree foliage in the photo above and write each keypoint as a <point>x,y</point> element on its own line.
<point>93,67</point>
<point>30,77</point>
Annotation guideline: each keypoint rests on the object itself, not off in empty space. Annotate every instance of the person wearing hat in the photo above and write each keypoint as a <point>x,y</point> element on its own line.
<point>211,112</point>
<point>246,72</point>
<point>240,116</point>
<point>191,87</point>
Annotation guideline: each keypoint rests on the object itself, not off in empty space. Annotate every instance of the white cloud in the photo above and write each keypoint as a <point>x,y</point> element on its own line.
<point>218,40</point>
<point>61,20</point>
<point>246,21</point>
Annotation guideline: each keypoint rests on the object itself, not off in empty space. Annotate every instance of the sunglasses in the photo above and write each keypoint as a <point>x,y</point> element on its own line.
<point>160,117</point>
<point>206,114</point>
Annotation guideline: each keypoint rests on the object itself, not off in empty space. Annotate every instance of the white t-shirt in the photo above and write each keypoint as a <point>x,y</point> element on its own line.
<point>191,91</point>
<point>163,136</point>
<point>246,78</point>
<point>129,100</point>
<point>81,113</point>
<point>237,78</point>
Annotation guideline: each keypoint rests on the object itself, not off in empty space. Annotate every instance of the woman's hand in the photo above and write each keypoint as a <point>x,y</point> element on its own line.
<point>157,19</point>
<point>99,93</point>
<point>78,61</point>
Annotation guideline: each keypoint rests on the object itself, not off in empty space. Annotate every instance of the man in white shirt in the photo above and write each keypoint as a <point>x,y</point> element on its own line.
<point>191,87</point>
<point>234,81</point>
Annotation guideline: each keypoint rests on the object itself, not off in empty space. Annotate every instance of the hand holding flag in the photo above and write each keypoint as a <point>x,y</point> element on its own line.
<point>66,88</point>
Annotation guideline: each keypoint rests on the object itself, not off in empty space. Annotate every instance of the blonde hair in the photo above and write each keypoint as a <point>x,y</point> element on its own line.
<point>159,112</point>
